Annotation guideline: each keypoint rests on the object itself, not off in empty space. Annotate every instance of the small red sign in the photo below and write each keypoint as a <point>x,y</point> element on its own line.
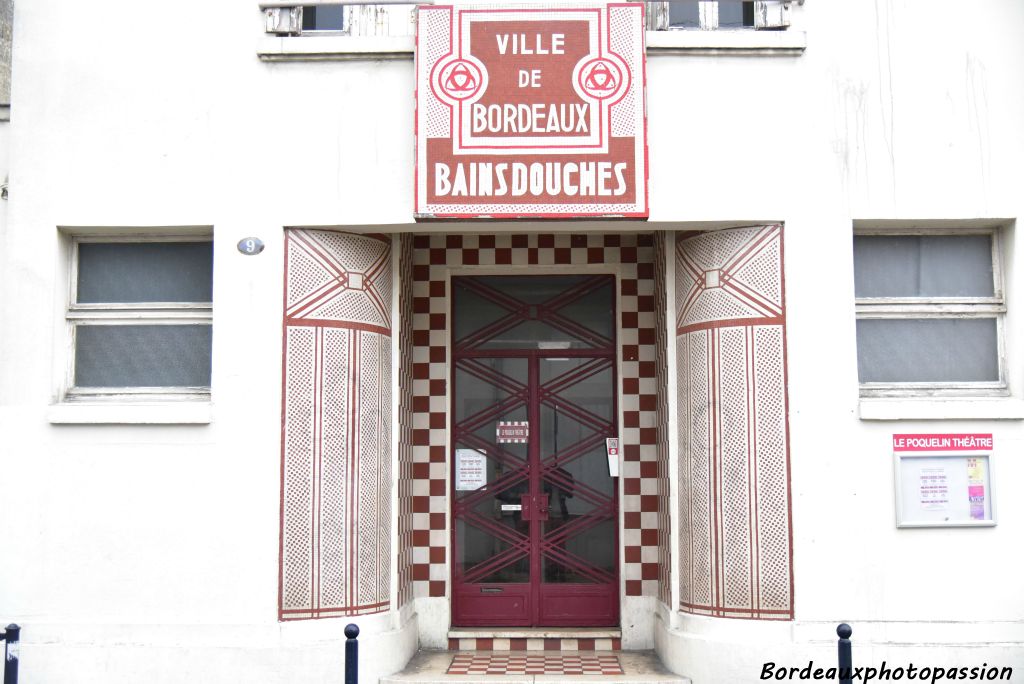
<point>513,432</point>
<point>942,442</point>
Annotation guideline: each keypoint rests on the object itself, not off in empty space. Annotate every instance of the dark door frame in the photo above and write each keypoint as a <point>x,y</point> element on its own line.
<point>547,603</point>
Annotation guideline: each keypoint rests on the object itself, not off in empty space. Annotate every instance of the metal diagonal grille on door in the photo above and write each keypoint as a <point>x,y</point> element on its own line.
<point>535,538</point>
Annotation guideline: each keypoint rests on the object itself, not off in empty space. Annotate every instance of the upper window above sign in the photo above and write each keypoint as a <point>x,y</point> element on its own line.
<point>718,14</point>
<point>530,112</point>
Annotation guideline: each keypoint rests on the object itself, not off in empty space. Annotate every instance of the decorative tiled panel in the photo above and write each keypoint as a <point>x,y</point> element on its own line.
<point>730,277</point>
<point>507,664</point>
<point>336,426</point>
<point>734,504</point>
<point>405,421</point>
<point>634,254</point>
<point>662,251</point>
<point>535,644</point>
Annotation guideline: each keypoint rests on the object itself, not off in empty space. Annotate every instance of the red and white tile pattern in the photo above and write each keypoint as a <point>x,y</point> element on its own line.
<point>335,526</point>
<point>405,421</point>
<point>660,468</point>
<point>535,644</point>
<point>434,256</point>
<point>507,664</point>
<point>734,504</point>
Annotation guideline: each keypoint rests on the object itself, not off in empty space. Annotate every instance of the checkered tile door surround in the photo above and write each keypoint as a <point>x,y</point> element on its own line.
<point>734,504</point>
<point>336,425</point>
<point>434,256</point>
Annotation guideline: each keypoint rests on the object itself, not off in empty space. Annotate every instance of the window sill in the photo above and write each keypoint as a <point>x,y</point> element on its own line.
<point>149,413</point>
<point>953,408</point>
<point>332,48</point>
<point>788,42</point>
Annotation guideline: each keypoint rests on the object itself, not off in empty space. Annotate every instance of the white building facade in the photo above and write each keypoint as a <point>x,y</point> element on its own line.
<point>248,398</point>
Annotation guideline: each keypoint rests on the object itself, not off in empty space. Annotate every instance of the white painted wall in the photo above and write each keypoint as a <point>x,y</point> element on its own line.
<point>149,553</point>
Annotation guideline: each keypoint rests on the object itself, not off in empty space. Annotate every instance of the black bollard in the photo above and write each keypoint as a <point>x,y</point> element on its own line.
<point>351,654</point>
<point>845,654</point>
<point>12,635</point>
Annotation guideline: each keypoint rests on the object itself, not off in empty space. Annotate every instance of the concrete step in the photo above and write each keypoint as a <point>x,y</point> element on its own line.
<point>432,667</point>
<point>535,639</point>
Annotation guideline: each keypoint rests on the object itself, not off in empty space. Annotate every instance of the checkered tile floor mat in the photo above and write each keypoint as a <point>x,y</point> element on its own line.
<point>534,664</point>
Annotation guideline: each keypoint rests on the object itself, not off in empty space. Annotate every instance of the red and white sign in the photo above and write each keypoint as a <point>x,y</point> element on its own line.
<point>612,447</point>
<point>513,432</point>
<point>535,111</point>
<point>942,442</point>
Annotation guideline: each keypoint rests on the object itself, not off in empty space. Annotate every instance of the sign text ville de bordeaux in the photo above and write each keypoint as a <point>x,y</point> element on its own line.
<point>530,112</point>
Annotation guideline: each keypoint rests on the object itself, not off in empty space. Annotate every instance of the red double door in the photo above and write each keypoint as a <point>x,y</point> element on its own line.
<point>535,510</point>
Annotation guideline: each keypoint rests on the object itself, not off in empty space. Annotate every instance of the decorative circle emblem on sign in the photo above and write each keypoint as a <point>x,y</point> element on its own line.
<point>460,79</point>
<point>600,78</point>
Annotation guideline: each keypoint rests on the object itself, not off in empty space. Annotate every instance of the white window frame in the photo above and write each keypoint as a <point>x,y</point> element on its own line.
<point>361,18</point>
<point>943,308</point>
<point>372,32</point>
<point>143,313</point>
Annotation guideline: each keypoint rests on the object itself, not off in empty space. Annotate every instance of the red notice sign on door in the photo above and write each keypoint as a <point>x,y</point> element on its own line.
<point>530,111</point>
<point>513,432</point>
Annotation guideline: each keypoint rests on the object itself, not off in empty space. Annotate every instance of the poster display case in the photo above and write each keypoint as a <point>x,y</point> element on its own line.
<point>944,480</point>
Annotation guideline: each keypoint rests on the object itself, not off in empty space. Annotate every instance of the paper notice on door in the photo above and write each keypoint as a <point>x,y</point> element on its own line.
<point>612,447</point>
<point>934,489</point>
<point>470,469</point>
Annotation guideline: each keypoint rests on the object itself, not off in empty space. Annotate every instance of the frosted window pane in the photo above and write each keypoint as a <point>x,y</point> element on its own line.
<point>684,14</point>
<point>923,265</point>
<point>142,355</point>
<point>323,18</point>
<point>735,14</point>
<point>927,350</point>
<point>119,272</point>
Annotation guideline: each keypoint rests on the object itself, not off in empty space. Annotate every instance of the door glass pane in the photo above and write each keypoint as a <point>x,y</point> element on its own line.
<point>531,312</point>
<point>927,350</point>
<point>492,559</point>
<point>473,312</point>
<point>142,355</point>
<point>576,416</point>
<point>490,476</point>
<point>120,272</point>
<point>923,265</point>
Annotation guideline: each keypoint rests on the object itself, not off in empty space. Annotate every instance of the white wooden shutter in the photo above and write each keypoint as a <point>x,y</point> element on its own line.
<point>283,21</point>
<point>708,14</point>
<point>769,14</point>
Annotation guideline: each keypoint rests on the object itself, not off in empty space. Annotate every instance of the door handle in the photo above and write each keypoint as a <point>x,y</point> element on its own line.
<point>532,505</point>
<point>542,507</point>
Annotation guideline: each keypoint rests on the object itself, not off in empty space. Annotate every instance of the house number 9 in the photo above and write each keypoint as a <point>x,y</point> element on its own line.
<point>250,246</point>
